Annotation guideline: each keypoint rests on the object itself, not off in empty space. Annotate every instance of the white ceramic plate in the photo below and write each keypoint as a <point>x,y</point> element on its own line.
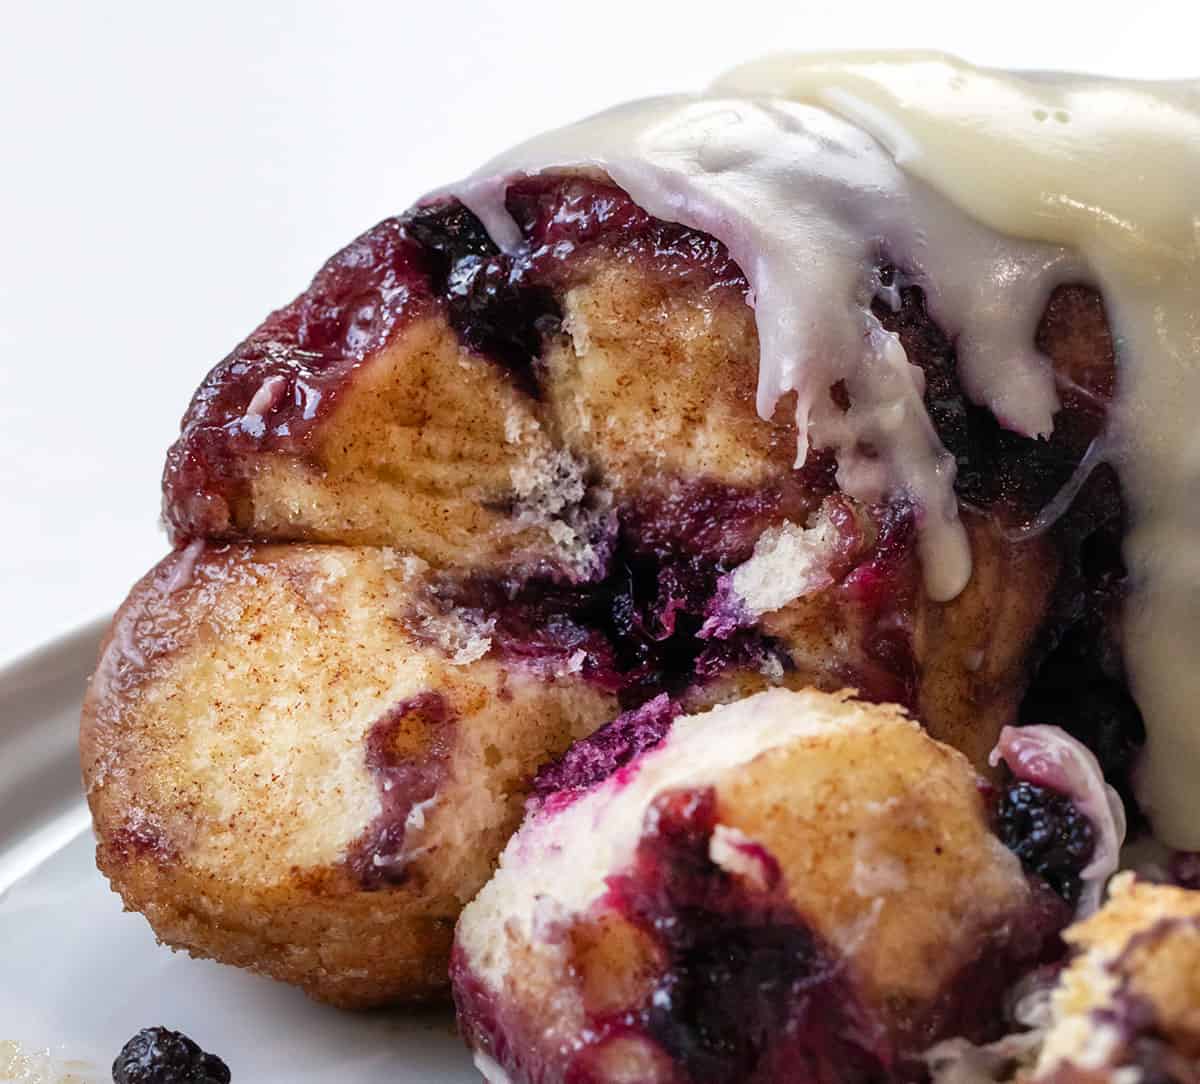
<point>78,977</point>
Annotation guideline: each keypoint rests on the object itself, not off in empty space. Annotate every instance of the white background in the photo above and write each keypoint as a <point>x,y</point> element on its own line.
<point>169,172</point>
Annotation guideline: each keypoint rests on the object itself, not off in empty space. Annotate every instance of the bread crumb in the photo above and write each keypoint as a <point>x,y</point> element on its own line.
<point>788,562</point>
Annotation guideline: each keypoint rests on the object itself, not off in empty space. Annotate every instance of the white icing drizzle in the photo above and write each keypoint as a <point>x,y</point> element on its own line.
<point>807,204</point>
<point>1110,169</point>
<point>987,189</point>
<point>1064,498</point>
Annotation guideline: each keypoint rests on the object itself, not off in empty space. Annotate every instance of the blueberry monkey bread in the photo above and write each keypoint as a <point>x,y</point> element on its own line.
<point>533,457</point>
<point>1125,1007</point>
<point>530,494</point>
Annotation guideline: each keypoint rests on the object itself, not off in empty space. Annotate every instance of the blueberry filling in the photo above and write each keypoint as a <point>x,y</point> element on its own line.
<point>635,629</point>
<point>1048,833</point>
<point>493,310</point>
<point>408,751</point>
<point>1143,1045</point>
<point>1183,869</point>
<point>749,991</point>
<point>610,748</point>
<point>997,468</point>
<point>161,1056</point>
<point>635,625</point>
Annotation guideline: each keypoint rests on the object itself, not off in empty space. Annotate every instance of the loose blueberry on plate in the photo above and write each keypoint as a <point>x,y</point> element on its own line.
<point>161,1056</point>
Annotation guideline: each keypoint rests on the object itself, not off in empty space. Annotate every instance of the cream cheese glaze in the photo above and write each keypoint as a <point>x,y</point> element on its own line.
<point>988,189</point>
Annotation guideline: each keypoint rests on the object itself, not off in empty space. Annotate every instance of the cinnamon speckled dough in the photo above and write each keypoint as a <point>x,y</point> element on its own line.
<point>1128,1006</point>
<point>420,453</point>
<point>970,655</point>
<point>285,776</point>
<point>635,401</point>
<point>426,447</point>
<point>826,815</point>
<point>655,381</point>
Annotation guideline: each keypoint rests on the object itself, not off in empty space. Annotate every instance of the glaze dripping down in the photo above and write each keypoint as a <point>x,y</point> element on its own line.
<point>808,205</point>
<point>988,190</point>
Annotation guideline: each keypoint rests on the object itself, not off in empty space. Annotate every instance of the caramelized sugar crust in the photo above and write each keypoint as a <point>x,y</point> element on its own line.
<point>526,415</point>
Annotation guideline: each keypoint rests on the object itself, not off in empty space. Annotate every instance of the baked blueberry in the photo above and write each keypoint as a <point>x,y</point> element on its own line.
<point>161,1056</point>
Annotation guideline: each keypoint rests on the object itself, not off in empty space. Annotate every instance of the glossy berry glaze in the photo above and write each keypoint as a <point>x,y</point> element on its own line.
<point>277,385</point>
<point>649,619</point>
<point>275,388</point>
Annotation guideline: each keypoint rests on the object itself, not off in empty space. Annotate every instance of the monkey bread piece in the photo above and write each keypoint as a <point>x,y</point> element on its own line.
<point>1127,1008</point>
<point>797,886</point>
<point>292,766</point>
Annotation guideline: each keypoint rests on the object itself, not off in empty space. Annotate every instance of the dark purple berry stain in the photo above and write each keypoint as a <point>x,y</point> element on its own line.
<point>744,990</point>
<point>1158,1062</point>
<point>884,583</point>
<point>610,748</point>
<point>1047,832</point>
<point>636,627</point>
<point>1183,869</point>
<point>495,311</point>
<point>749,991</point>
<point>142,839</point>
<point>971,1005</point>
<point>1143,1044</point>
<point>161,1056</point>
<point>275,387</point>
<point>408,751</point>
<point>565,219</point>
<point>997,468</point>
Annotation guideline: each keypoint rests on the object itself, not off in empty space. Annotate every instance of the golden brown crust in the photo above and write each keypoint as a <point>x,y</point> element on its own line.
<point>419,453</point>
<point>340,945</point>
<point>644,394</point>
<point>877,829</point>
